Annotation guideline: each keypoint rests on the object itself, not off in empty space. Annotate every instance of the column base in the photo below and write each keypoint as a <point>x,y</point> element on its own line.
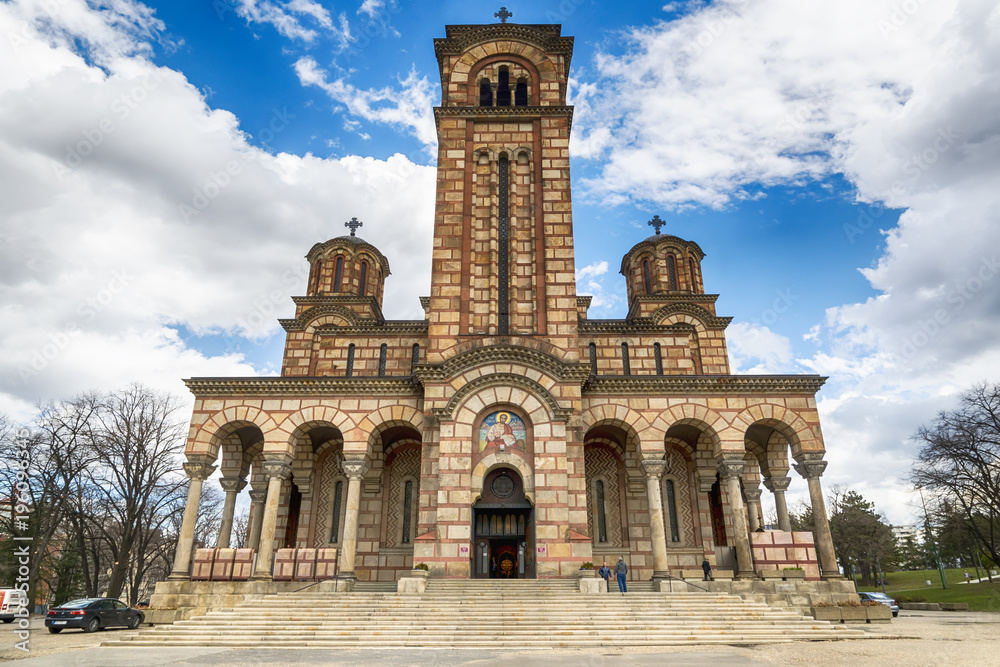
<point>746,575</point>
<point>261,576</point>
<point>660,575</point>
<point>832,577</point>
<point>179,576</point>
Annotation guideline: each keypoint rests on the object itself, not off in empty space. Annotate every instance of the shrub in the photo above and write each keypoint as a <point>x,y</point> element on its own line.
<point>587,566</point>
<point>422,566</point>
<point>850,603</point>
<point>792,568</point>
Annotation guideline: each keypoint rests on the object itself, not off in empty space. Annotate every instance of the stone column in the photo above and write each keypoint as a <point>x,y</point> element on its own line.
<point>276,472</point>
<point>778,486</point>
<point>257,498</point>
<point>753,508</point>
<point>658,534</point>
<point>232,486</point>
<point>354,470</point>
<point>197,472</point>
<point>731,470</point>
<point>811,467</point>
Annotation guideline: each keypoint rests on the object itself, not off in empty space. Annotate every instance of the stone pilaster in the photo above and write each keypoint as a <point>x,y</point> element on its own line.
<point>276,472</point>
<point>232,486</point>
<point>658,534</point>
<point>730,470</point>
<point>811,466</point>
<point>355,470</point>
<point>197,472</point>
<point>778,486</point>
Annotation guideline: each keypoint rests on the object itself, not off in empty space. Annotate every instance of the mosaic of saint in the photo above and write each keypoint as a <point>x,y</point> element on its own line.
<point>503,430</point>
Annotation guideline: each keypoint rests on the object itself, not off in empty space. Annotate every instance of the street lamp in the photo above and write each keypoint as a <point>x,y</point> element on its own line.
<point>930,536</point>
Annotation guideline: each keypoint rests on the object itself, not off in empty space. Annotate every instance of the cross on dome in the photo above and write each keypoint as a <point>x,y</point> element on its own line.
<point>355,223</point>
<point>656,223</point>
<point>503,14</point>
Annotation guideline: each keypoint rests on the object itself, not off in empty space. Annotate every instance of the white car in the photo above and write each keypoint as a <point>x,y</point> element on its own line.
<point>12,601</point>
<point>883,599</point>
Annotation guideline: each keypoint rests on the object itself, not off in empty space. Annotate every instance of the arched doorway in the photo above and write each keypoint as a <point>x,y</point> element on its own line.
<point>503,535</point>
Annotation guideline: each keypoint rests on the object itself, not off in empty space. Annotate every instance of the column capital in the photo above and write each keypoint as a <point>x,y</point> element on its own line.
<point>232,484</point>
<point>705,478</point>
<point>811,469</point>
<point>654,467</point>
<point>752,495</point>
<point>278,469</point>
<point>198,470</point>
<point>774,484</point>
<point>731,467</point>
<point>258,495</point>
<point>354,468</point>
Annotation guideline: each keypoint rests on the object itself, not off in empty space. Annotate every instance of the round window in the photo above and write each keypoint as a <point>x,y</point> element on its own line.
<point>502,486</point>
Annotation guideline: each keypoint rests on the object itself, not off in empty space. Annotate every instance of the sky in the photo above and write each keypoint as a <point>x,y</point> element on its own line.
<point>165,166</point>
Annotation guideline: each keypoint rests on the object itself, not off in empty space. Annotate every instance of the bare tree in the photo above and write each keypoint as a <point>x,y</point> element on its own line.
<point>960,461</point>
<point>241,529</point>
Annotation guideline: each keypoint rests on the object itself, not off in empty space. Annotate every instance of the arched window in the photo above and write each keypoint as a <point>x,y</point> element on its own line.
<point>645,277</point>
<point>407,512</point>
<point>363,282</point>
<point>382,353</point>
<point>602,519</point>
<point>314,278</point>
<point>521,93</point>
<point>593,359</point>
<point>503,87</point>
<point>675,532</point>
<point>485,93</point>
<point>350,360</point>
<point>338,274</point>
<point>414,356</point>
<point>694,278</point>
<point>672,271</point>
<point>658,357</point>
<point>338,501</point>
<point>626,370</point>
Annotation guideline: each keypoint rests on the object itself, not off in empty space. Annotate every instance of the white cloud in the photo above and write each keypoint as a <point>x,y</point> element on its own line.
<point>296,19</point>
<point>371,7</point>
<point>130,209</point>
<point>755,349</point>
<point>409,107</point>
<point>590,280</point>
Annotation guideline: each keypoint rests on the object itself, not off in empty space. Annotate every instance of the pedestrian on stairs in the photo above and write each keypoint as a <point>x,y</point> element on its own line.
<point>605,574</point>
<point>706,567</point>
<point>621,569</point>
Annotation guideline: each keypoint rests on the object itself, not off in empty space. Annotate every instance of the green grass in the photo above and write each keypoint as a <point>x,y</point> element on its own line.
<point>912,585</point>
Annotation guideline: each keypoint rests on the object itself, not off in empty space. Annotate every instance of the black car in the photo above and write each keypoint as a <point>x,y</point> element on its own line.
<point>92,614</point>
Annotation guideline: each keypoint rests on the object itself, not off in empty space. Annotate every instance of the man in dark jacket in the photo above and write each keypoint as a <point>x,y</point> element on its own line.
<point>706,567</point>
<point>621,569</point>
<point>605,574</point>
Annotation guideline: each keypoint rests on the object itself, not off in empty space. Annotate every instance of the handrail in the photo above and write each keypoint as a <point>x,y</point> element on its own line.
<point>335,577</point>
<point>685,581</point>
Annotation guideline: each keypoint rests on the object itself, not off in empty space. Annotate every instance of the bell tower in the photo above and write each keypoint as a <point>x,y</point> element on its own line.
<point>503,264</point>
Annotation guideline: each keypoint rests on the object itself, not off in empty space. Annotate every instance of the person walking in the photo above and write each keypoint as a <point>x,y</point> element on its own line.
<point>605,574</point>
<point>706,567</point>
<point>621,569</point>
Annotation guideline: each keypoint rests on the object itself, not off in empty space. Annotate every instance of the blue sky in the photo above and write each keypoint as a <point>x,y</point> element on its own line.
<point>165,166</point>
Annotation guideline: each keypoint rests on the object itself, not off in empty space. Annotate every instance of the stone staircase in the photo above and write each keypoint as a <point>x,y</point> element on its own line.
<point>490,614</point>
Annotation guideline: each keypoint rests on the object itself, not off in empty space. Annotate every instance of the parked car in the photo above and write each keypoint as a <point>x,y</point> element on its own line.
<point>92,614</point>
<point>12,601</point>
<point>883,599</point>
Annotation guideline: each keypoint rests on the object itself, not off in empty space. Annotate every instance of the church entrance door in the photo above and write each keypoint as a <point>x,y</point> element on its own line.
<point>503,529</point>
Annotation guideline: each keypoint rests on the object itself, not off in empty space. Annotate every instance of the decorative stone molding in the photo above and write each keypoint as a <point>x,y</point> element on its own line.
<point>304,386</point>
<point>752,495</point>
<point>546,37</point>
<point>637,325</point>
<point>258,496</point>
<point>658,240</point>
<point>654,467</point>
<point>731,467</point>
<point>811,469</point>
<point>198,470</point>
<point>235,484</point>
<point>721,385</point>
<point>278,469</point>
<point>698,312</point>
<point>501,114</point>
<point>777,483</point>
<point>354,469</point>
<point>500,353</point>
<point>556,412</point>
<point>355,242</point>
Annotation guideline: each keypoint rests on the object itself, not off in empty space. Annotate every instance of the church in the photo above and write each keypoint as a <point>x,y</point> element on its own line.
<point>507,434</point>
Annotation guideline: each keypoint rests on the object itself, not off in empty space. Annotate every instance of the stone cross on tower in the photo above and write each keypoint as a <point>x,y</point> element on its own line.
<point>656,223</point>
<point>503,14</point>
<point>355,223</point>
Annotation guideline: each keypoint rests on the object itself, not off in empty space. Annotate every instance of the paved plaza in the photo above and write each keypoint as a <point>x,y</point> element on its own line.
<point>915,638</point>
